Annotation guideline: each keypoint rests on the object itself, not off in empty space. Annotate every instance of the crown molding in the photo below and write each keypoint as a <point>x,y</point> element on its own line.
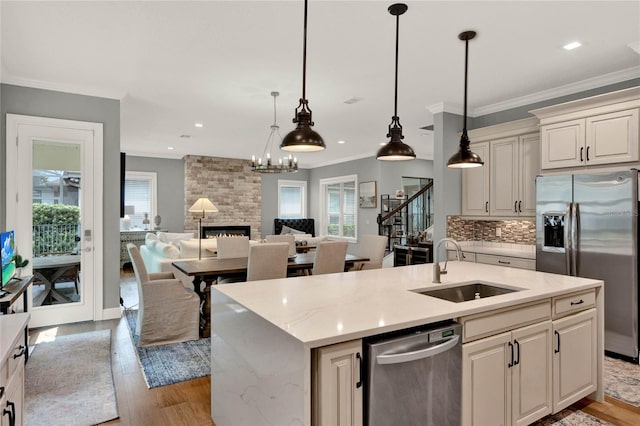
<point>448,107</point>
<point>568,89</point>
<point>66,88</point>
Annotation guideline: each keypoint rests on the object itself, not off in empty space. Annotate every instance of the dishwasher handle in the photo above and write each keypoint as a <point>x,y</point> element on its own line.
<point>420,354</point>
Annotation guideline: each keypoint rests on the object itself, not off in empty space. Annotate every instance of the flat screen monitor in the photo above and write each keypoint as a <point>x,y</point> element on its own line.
<point>8,244</point>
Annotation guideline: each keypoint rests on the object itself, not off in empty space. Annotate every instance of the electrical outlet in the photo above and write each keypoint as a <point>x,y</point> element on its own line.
<point>498,232</point>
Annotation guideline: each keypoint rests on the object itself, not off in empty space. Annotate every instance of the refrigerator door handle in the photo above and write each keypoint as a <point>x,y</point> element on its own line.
<point>567,238</point>
<point>574,239</point>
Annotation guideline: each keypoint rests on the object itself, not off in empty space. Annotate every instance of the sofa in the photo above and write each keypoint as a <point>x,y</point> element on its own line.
<point>161,249</point>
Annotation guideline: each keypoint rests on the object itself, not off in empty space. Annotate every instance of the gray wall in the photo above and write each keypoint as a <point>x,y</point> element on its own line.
<point>270,196</point>
<point>47,103</point>
<point>387,174</point>
<point>170,188</point>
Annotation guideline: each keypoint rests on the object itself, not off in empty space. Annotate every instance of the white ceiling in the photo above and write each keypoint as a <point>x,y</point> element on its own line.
<point>173,64</point>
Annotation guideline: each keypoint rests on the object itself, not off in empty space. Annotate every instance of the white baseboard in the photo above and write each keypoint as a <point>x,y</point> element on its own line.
<point>111,313</point>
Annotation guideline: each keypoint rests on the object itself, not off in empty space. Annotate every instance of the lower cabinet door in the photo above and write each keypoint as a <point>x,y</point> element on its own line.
<point>486,381</point>
<point>531,373</point>
<point>574,358</point>
<point>338,397</point>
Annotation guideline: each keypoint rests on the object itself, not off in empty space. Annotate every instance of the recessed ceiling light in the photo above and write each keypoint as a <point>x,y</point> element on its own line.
<point>382,143</point>
<point>572,45</point>
<point>341,142</point>
<point>199,125</point>
<point>170,147</point>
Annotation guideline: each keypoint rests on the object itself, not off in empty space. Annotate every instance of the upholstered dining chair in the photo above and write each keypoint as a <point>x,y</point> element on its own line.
<point>232,247</point>
<point>371,247</point>
<point>329,257</point>
<point>267,261</point>
<point>168,312</point>
<point>284,238</point>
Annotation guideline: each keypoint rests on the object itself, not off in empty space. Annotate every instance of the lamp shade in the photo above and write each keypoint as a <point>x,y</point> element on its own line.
<point>302,139</point>
<point>395,149</point>
<point>464,158</point>
<point>203,205</point>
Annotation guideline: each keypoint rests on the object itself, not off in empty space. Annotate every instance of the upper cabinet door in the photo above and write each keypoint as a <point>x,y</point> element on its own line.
<point>563,144</point>
<point>475,184</point>
<point>529,169</point>
<point>503,178</point>
<point>612,138</point>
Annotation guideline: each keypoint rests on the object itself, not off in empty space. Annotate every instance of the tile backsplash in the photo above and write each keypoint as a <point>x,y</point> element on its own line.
<point>512,231</point>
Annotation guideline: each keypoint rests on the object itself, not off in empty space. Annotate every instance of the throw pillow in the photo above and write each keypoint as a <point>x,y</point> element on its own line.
<point>167,250</point>
<point>174,237</point>
<point>287,230</point>
<point>189,248</point>
<point>301,237</point>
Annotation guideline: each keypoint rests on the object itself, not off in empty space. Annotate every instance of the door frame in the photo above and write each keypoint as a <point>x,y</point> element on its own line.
<point>12,168</point>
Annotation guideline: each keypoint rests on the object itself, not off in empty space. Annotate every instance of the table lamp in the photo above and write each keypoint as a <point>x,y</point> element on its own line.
<point>203,205</point>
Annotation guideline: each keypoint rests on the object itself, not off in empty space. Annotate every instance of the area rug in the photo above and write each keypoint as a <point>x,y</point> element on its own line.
<point>622,380</point>
<point>68,381</point>
<point>569,417</point>
<point>168,364</point>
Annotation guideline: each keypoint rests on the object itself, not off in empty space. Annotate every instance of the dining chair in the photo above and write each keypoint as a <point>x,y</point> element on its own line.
<point>232,247</point>
<point>372,247</point>
<point>284,238</point>
<point>267,261</point>
<point>168,312</point>
<point>330,257</point>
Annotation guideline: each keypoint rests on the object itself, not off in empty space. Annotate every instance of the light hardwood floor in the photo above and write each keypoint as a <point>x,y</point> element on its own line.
<point>188,403</point>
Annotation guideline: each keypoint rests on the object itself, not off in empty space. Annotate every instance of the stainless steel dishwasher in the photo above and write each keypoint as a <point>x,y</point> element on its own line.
<point>415,378</point>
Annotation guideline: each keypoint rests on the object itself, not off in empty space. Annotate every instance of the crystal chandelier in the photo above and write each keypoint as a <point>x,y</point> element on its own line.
<point>285,164</point>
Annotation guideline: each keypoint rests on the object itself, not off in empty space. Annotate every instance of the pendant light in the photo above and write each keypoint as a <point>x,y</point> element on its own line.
<point>395,149</point>
<point>284,165</point>
<point>303,138</point>
<point>465,158</point>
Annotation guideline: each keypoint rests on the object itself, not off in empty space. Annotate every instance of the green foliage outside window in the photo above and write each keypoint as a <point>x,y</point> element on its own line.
<point>55,227</point>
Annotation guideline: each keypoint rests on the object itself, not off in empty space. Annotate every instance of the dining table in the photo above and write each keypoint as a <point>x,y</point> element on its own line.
<point>208,269</point>
<point>47,270</point>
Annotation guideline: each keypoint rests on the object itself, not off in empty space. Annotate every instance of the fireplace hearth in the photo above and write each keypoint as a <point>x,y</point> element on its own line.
<point>214,231</point>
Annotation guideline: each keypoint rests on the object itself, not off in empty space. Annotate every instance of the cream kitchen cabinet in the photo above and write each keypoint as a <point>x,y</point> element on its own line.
<point>12,338</point>
<point>601,130</point>
<point>337,390</point>
<point>507,377</point>
<point>505,185</point>
<point>514,165</point>
<point>475,184</point>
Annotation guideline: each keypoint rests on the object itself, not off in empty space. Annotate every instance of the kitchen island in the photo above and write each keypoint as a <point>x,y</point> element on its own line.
<point>267,336</point>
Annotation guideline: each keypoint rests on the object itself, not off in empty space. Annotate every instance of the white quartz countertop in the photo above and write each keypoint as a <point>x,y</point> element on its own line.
<point>326,309</point>
<point>10,326</point>
<point>511,250</point>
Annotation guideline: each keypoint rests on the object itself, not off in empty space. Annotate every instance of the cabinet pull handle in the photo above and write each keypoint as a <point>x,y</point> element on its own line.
<point>577,303</point>
<point>23,350</point>
<point>361,369</point>
<point>12,413</point>
<point>511,360</point>
<point>588,153</point>
<point>1,391</point>
<point>557,349</point>
<point>486,207</point>
<point>515,207</point>
<point>517,361</point>
<point>520,206</point>
<point>581,151</point>
<point>504,262</point>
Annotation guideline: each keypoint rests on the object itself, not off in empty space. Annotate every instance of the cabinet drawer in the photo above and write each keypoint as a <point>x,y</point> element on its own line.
<point>574,302</point>
<point>513,262</point>
<point>494,322</point>
<point>8,368</point>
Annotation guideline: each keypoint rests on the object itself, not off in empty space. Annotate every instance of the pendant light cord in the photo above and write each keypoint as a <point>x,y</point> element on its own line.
<point>395,108</point>
<point>466,65</point>
<point>304,54</point>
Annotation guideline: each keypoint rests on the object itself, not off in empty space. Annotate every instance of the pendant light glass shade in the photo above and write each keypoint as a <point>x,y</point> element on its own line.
<point>303,138</point>
<point>465,158</point>
<point>283,165</point>
<point>395,149</point>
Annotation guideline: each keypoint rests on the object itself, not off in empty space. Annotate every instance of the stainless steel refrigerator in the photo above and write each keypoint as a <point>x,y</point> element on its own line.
<point>587,226</point>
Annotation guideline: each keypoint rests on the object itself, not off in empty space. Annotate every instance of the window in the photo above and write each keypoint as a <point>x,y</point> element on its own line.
<point>339,207</point>
<point>140,197</point>
<point>292,199</point>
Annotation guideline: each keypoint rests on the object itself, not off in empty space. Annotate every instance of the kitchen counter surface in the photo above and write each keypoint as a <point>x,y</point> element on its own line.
<point>512,250</point>
<point>327,309</point>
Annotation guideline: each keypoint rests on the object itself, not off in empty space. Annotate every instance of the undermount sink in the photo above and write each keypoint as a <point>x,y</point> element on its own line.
<point>467,292</point>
